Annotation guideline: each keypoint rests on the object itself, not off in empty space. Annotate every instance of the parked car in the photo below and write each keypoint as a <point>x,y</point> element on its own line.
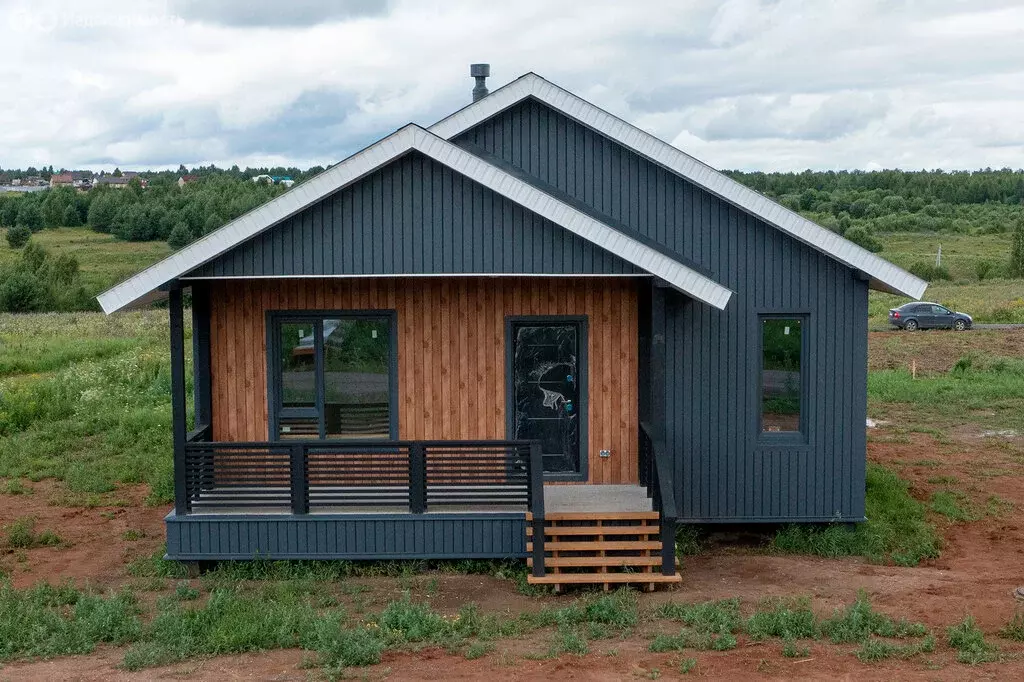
<point>924,315</point>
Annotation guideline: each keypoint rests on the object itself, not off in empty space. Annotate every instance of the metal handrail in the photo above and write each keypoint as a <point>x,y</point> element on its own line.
<point>657,470</point>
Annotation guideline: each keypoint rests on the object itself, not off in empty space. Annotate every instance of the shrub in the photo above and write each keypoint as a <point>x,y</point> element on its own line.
<point>930,272</point>
<point>984,269</point>
<point>18,236</point>
<point>1016,267</point>
<point>861,237</point>
<point>24,292</point>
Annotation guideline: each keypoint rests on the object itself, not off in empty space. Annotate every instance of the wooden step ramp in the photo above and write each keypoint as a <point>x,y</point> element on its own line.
<point>600,548</point>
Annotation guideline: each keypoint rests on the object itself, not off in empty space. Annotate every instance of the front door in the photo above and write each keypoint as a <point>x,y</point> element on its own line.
<point>547,398</point>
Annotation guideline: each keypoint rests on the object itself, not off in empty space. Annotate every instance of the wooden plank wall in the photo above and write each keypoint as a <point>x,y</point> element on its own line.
<point>451,353</point>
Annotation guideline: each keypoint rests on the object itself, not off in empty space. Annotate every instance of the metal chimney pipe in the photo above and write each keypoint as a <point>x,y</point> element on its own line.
<point>480,72</point>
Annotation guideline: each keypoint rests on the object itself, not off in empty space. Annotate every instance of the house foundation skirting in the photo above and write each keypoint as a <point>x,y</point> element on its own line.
<point>203,537</point>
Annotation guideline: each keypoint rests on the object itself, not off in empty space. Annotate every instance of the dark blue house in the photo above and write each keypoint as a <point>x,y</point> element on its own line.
<point>530,330</point>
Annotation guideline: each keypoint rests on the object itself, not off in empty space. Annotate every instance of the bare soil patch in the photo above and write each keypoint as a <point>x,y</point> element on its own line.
<point>97,542</point>
<point>938,350</point>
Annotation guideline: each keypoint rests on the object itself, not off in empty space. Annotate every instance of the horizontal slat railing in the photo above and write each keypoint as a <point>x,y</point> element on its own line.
<point>304,476</point>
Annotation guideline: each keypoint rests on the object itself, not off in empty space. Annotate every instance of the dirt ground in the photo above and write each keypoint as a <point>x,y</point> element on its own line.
<point>938,350</point>
<point>981,564</point>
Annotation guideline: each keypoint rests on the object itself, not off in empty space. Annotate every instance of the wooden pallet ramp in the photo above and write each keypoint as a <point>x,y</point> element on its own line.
<point>600,548</point>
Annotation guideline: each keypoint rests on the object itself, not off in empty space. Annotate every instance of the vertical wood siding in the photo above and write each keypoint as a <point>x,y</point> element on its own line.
<point>415,216</point>
<point>723,472</point>
<point>451,353</point>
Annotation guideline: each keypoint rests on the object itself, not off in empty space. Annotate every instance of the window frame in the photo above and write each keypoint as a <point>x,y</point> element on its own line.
<point>779,438</point>
<point>274,319</point>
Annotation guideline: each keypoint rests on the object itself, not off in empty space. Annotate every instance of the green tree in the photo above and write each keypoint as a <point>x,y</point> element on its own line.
<point>18,236</point>
<point>24,292</point>
<point>29,215</point>
<point>103,211</point>
<point>1016,268</point>
<point>180,236</point>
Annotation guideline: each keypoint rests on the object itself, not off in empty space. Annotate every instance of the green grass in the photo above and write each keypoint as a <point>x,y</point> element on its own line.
<point>859,621</point>
<point>970,643</point>
<point>21,534</point>
<point>995,300</point>
<point>103,259</point>
<point>897,529</point>
<point>783,618</point>
<point>954,505</point>
<point>712,616</point>
<point>89,404</point>
<point>48,621</point>
<point>1014,628</point>
<point>873,650</point>
<point>978,384</point>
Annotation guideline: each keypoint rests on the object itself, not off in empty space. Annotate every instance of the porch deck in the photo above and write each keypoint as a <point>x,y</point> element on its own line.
<point>557,499</point>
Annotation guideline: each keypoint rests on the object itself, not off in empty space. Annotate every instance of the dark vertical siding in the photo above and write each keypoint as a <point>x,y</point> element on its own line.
<point>414,216</point>
<point>349,536</point>
<point>725,472</point>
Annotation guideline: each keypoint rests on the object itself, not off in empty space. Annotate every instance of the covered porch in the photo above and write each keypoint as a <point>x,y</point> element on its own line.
<point>358,498</point>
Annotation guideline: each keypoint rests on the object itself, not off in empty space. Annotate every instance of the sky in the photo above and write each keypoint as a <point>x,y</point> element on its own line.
<point>740,84</point>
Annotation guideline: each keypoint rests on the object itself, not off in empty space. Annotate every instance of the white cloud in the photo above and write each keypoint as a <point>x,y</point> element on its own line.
<point>770,84</point>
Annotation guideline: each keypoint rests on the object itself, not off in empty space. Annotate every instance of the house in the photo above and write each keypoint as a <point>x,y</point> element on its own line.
<point>62,180</point>
<point>120,181</point>
<point>186,179</point>
<point>264,178</point>
<point>529,330</point>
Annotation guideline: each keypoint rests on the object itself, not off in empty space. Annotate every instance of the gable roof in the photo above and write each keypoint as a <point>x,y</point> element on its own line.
<point>884,275</point>
<point>146,285</point>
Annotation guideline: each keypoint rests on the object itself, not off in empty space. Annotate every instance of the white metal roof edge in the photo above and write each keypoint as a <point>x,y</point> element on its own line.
<point>884,275</point>
<point>141,287</point>
<point>625,247</point>
<point>138,288</point>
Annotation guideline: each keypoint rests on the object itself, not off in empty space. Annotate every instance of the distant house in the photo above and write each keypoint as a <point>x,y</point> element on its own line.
<point>120,182</point>
<point>76,179</point>
<point>186,179</point>
<point>263,178</point>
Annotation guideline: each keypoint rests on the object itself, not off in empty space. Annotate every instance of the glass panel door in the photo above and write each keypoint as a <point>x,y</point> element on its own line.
<point>357,377</point>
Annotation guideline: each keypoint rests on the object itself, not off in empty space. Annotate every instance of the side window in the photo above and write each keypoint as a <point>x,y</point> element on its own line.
<point>939,310</point>
<point>781,374</point>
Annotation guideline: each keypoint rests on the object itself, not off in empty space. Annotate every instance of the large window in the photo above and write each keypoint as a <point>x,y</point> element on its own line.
<point>781,374</point>
<point>333,375</point>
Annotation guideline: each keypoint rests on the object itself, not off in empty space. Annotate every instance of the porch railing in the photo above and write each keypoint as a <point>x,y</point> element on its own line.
<point>309,476</point>
<point>656,475</point>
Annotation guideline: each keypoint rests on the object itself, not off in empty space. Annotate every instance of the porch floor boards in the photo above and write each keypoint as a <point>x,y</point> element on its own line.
<point>558,499</point>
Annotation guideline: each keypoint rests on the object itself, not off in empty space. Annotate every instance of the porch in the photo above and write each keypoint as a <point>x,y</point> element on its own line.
<point>363,489</point>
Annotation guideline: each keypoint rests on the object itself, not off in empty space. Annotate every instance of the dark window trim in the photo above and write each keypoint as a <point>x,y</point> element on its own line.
<point>772,439</point>
<point>582,368</point>
<point>275,317</point>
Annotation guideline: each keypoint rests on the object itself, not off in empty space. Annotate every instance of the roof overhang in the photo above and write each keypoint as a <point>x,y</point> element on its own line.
<point>884,276</point>
<point>149,284</point>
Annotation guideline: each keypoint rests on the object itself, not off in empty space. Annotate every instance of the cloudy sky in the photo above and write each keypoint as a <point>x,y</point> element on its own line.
<point>752,84</point>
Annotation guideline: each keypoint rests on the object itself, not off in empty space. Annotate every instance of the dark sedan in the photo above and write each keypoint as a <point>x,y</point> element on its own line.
<point>923,315</point>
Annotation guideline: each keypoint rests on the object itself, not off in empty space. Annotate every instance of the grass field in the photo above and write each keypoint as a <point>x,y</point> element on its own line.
<point>996,300</point>
<point>103,259</point>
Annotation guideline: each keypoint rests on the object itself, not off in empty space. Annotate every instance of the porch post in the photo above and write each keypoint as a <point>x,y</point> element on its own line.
<point>537,507</point>
<point>201,355</point>
<point>658,414</point>
<point>178,414</point>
